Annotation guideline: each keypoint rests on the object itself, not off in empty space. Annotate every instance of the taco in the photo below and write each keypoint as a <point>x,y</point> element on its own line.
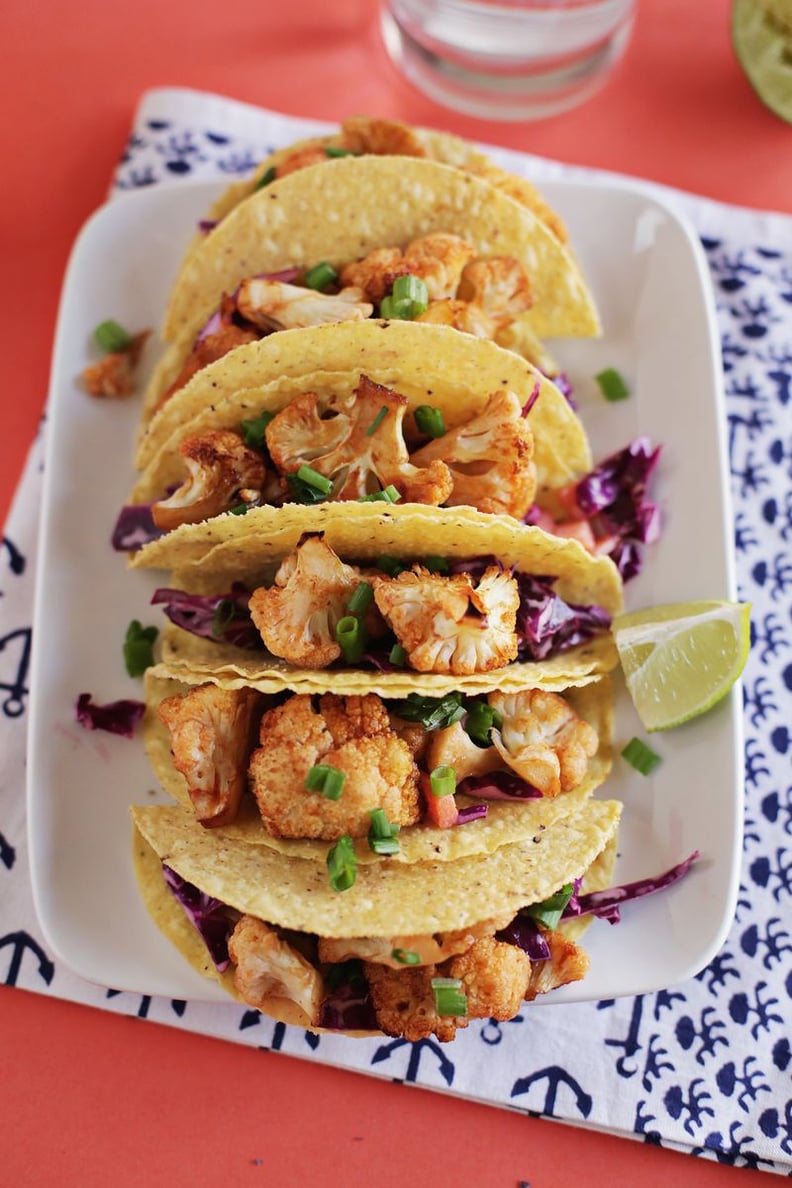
<point>427,601</point>
<point>408,950</point>
<point>414,778</point>
<point>440,416</point>
<point>367,237</point>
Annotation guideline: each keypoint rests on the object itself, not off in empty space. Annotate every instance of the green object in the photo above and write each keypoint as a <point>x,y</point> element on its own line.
<point>375,424</point>
<point>384,845</point>
<point>443,781</point>
<point>388,494</point>
<point>398,655</point>
<point>406,956</point>
<point>450,999</point>
<point>680,659</point>
<point>342,864</point>
<point>332,151</point>
<point>436,564</point>
<point>320,276</point>
<point>761,33</point>
<point>240,509</point>
<point>612,385</point>
<point>429,420</point>
<point>267,176</point>
<point>112,337</point>
<point>481,719</point>
<point>225,613</point>
<point>550,910</point>
<point>390,565</point>
<point>408,300</point>
<point>641,757</point>
<point>351,638</point>
<point>434,713</point>
<point>254,431</point>
<point>139,648</point>
<point>361,599</point>
<point>326,779</point>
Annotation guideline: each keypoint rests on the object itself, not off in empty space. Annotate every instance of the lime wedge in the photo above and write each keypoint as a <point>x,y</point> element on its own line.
<point>762,40</point>
<point>680,659</point>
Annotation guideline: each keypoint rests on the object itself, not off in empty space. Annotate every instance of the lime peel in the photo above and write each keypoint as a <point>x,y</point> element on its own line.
<point>682,658</point>
<point>762,38</point>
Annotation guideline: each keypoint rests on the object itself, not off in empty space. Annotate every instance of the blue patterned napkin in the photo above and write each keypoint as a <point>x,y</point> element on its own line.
<point>704,1067</point>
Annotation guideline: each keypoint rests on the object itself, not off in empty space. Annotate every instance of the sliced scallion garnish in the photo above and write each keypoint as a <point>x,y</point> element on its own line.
<point>434,713</point>
<point>406,956</point>
<point>139,648</point>
<point>361,599</point>
<point>388,494</point>
<point>429,420</point>
<point>641,757</point>
<point>254,431</point>
<point>112,337</point>
<point>612,385</point>
<point>308,485</point>
<point>450,998</point>
<point>436,564</point>
<point>328,780</point>
<point>267,176</point>
<point>351,638</point>
<point>332,150</point>
<point>342,864</point>
<point>549,911</point>
<point>390,565</point>
<point>375,424</point>
<point>443,781</point>
<point>320,276</point>
<point>398,655</point>
<point>481,719</point>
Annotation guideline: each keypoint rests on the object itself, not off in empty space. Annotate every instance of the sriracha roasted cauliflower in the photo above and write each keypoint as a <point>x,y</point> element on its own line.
<point>490,458</point>
<point>276,305</point>
<point>499,286</point>
<point>297,616</point>
<point>357,442</point>
<point>208,350</point>
<point>446,624</point>
<point>352,735</point>
<point>221,473</point>
<point>210,729</point>
<point>437,259</point>
<point>461,315</point>
<point>567,963</point>
<point>543,739</point>
<point>367,134</point>
<point>267,966</point>
<point>494,977</point>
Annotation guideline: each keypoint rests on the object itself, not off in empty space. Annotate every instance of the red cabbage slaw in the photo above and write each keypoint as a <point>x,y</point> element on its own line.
<point>116,717</point>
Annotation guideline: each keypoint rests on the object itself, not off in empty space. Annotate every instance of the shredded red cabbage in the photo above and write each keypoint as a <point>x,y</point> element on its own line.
<point>223,618</point>
<point>116,717</point>
<point>547,625</point>
<point>498,785</point>
<point>347,1006</point>
<point>209,915</point>
<point>562,382</point>
<point>134,527</point>
<point>605,904</point>
<point>613,497</point>
<point>532,399</point>
<point>471,812</point>
<point>526,934</point>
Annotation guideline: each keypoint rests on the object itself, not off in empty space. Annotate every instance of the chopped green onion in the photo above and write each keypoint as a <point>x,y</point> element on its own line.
<point>375,424</point>
<point>307,474</point>
<point>267,176</point>
<point>342,864</point>
<point>320,276</point>
<point>112,337</point>
<point>641,757</point>
<point>443,781</point>
<point>434,713</point>
<point>429,420</point>
<point>225,613</point>
<point>390,565</point>
<point>612,385</point>
<point>411,288</point>
<point>240,509</point>
<point>361,599</point>
<point>406,956</point>
<point>481,719</point>
<point>549,911</point>
<point>380,826</point>
<point>450,999</point>
<point>254,431</point>
<point>436,564</point>
<point>384,845</point>
<point>302,492</point>
<point>139,648</point>
<point>388,494</point>
<point>351,638</point>
<point>326,779</point>
<point>332,150</point>
<point>398,655</point>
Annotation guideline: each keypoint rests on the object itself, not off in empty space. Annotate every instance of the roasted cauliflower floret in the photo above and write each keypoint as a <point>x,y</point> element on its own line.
<point>298,614</point>
<point>437,259</point>
<point>461,315</point>
<point>567,963</point>
<point>404,1003</point>
<point>300,158</point>
<point>494,978</point>
<point>276,305</point>
<point>375,273</point>
<point>210,730</point>
<point>521,191</point>
<point>114,375</point>
<point>453,747</point>
<point>446,624</point>
<point>499,286</point>
<point>490,458</point>
<point>208,350</point>
<point>352,735</point>
<point>357,443</point>
<point>364,134</point>
<point>221,473</point>
<point>543,739</point>
<point>267,967</point>
<point>429,949</point>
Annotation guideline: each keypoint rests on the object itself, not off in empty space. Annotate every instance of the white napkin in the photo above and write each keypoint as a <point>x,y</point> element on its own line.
<point>705,1067</point>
